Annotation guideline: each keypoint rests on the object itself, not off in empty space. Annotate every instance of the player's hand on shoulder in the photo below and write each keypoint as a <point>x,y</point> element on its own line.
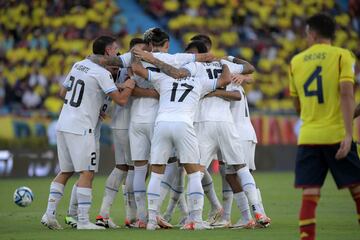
<point>344,149</point>
<point>240,78</point>
<point>144,55</point>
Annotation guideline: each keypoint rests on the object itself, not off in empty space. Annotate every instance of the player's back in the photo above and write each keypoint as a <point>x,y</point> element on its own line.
<point>315,75</point>
<point>179,98</point>
<point>86,86</point>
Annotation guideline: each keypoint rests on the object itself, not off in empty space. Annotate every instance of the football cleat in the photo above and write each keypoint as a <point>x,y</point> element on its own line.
<point>152,225</point>
<point>89,226</point>
<point>247,225</point>
<point>163,223</point>
<point>50,222</point>
<point>196,226</point>
<point>215,215</point>
<point>71,221</point>
<point>105,222</point>
<point>262,220</point>
<point>139,224</point>
<point>182,222</point>
<point>222,223</point>
<point>129,223</point>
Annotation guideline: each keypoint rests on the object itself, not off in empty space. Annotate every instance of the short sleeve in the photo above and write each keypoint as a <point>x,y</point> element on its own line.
<point>106,82</point>
<point>155,77</point>
<point>347,67</point>
<point>126,59</point>
<point>183,58</point>
<point>292,87</point>
<point>192,68</point>
<point>233,67</point>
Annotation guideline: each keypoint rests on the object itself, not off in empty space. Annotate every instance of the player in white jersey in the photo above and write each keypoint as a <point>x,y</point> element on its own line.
<point>241,115</point>
<point>124,167</point>
<point>174,128</point>
<point>84,90</point>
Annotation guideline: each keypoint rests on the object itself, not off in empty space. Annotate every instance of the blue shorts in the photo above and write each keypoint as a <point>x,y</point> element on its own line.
<point>314,161</point>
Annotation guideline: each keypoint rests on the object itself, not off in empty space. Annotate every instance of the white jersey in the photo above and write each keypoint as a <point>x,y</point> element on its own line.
<point>240,112</point>
<point>87,83</point>
<point>144,110</point>
<point>121,115</point>
<point>179,98</point>
<point>215,109</point>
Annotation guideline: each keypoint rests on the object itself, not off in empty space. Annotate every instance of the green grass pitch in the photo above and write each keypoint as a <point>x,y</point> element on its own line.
<point>336,214</point>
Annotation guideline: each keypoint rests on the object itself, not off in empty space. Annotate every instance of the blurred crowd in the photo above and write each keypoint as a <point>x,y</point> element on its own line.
<point>265,32</point>
<point>39,42</point>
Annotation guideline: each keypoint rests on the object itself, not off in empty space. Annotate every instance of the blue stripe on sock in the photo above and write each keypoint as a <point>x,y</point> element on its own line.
<point>140,191</point>
<point>227,190</point>
<point>193,193</point>
<point>207,184</point>
<point>130,193</point>
<point>112,189</point>
<point>59,193</point>
<point>171,187</point>
<point>84,203</point>
<point>248,184</point>
<point>153,194</point>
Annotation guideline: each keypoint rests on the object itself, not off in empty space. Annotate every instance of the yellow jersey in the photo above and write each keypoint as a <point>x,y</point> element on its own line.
<point>315,75</point>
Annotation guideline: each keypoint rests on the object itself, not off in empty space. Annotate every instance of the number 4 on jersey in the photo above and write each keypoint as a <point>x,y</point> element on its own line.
<point>319,88</point>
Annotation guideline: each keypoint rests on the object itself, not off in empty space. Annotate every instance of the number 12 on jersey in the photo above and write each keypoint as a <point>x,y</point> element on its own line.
<point>319,88</point>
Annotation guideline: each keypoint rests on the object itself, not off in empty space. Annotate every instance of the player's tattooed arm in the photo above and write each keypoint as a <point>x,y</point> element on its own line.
<point>225,77</point>
<point>226,95</point>
<point>205,57</point>
<point>145,92</point>
<point>106,61</point>
<point>248,68</point>
<point>164,67</point>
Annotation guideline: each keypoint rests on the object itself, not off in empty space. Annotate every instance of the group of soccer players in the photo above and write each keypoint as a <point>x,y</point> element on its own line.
<point>174,114</point>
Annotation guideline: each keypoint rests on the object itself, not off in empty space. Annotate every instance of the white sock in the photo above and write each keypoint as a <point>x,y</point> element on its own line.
<point>195,195</point>
<point>209,190</point>
<point>153,194</point>
<point>130,199</point>
<point>260,200</point>
<point>55,195</point>
<point>249,187</point>
<point>227,194</point>
<point>170,172</point>
<point>84,197</point>
<point>73,205</point>
<point>140,191</point>
<point>124,193</point>
<point>176,193</point>
<point>112,186</point>
<point>243,205</point>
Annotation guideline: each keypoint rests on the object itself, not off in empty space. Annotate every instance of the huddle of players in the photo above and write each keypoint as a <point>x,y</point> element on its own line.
<point>184,109</point>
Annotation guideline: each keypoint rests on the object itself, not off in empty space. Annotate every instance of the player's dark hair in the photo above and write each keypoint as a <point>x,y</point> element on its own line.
<point>156,37</point>
<point>199,45</point>
<point>323,24</point>
<point>135,41</point>
<point>101,43</point>
<point>202,37</point>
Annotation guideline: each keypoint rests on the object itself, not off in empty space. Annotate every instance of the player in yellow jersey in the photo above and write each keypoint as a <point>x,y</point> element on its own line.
<point>321,82</point>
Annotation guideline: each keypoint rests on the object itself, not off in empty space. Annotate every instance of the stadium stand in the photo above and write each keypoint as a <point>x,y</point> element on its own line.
<point>40,41</point>
<point>267,33</point>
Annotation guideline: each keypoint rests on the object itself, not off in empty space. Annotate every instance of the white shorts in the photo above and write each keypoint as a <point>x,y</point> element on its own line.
<point>180,135</point>
<point>140,135</point>
<point>122,147</point>
<point>223,136</point>
<point>249,152</point>
<point>77,152</point>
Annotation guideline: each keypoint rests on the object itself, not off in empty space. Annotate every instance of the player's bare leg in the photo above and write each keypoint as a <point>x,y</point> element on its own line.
<point>153,193</point>
<point>112,186</point>
<point>140,172</point>
<point>84,196</point>
<point>55,195</point>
